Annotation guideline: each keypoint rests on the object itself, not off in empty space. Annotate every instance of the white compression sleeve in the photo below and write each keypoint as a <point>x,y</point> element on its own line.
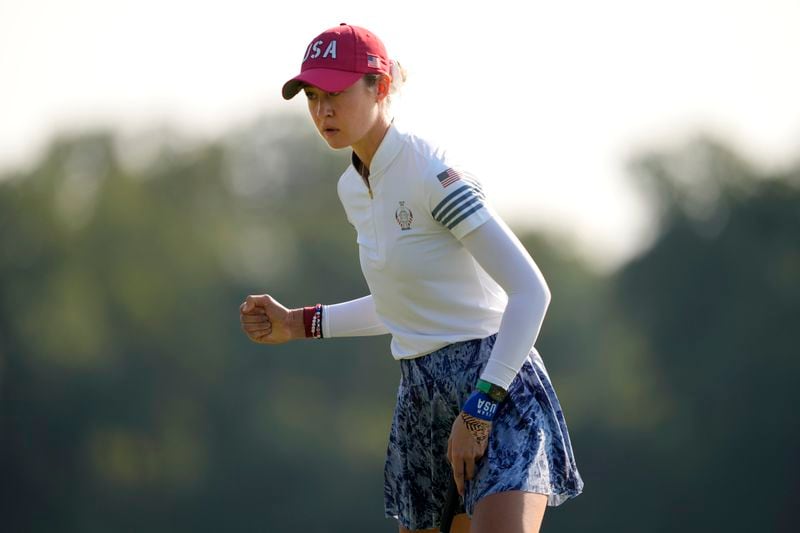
<point>356,318</point>
<point>498,251</point>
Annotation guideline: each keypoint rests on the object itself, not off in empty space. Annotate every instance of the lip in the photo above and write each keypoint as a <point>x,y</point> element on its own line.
<point>329,132</point>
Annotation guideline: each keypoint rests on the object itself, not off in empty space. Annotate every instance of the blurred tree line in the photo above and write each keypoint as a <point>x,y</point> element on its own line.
<point>131,401</point>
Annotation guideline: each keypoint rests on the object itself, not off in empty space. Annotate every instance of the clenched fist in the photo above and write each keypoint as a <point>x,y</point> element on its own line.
<point>266,321</point>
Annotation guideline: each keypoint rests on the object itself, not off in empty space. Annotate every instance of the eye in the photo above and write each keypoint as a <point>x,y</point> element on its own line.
<point>310,95</point>
<point>335,94</point>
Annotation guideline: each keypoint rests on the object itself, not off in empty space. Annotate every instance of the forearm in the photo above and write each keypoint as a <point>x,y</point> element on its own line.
<point>355,318</point>
<point>503,257</point>
<point>519,329</point>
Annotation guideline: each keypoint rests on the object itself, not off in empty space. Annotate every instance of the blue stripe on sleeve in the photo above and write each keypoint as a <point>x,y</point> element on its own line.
<point>452,199</point>
<point>446,199</point>
<point>460,209</point>
<point>454,223</point>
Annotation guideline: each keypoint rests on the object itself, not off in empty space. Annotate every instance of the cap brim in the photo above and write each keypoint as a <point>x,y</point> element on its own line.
<point>329,80</point>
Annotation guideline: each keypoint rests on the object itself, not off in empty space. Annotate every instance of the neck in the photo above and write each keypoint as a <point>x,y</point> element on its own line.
<point>365,148</point>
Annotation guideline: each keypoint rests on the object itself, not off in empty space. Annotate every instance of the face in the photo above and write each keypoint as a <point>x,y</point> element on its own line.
<point>347,117</point>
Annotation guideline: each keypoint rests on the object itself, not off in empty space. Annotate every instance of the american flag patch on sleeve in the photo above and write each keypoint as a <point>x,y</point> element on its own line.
<point>464,200</point>
<point>449,177</point>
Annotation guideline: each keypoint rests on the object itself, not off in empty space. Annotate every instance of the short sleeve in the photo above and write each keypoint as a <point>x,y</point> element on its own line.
<point>457,201</point>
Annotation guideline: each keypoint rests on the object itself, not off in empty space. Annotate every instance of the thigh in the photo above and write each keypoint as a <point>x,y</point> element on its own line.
<point>509,512</point>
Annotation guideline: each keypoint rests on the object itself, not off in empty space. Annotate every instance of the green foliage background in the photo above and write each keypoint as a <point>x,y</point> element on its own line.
<point>131,401</point>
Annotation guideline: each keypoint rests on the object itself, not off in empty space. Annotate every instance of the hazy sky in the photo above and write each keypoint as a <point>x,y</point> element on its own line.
<point>546,104</point>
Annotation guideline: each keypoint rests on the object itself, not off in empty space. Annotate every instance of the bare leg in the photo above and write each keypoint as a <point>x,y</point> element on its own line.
<point>460,525</point>
<point>509,512</point>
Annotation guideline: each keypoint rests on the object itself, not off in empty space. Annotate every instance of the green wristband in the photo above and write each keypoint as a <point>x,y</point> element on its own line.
<point>495,392</point>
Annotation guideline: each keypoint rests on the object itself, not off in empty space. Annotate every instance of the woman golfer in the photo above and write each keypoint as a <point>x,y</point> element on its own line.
<point>461,297</point>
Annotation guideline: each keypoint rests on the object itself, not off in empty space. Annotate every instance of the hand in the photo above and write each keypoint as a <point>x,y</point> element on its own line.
<point>465,446</point>
<point>266,321</point>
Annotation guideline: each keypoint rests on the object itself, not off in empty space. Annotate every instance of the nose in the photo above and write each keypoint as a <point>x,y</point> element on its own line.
<point>324,107</point>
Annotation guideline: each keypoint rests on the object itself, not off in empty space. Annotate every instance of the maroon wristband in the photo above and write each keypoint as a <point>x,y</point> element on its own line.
<point>308,321</point>
<point>308,316</point>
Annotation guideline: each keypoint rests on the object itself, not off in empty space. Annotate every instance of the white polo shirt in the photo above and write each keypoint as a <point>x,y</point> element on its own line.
<point>409,216</point>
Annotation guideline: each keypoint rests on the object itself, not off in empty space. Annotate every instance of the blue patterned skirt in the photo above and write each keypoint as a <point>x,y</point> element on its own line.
<point>529,447</point>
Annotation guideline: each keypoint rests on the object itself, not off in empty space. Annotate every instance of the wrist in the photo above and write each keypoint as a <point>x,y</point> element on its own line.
<point>484,402</point>
<point>481,406</point>
<point>296,326</point>
<point>312,322</point>
<point>495,392</point>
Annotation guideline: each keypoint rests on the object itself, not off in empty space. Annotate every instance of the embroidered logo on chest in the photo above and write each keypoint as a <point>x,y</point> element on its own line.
<point>404,216</point>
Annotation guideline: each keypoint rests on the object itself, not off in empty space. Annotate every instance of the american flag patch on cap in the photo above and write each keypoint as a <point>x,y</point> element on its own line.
<point>373,61</point>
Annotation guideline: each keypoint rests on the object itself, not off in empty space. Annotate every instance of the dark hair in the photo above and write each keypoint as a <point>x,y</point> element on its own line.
<point>372,79</point>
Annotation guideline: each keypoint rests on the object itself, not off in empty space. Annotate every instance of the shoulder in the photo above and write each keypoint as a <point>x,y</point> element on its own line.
<point>424,156</point>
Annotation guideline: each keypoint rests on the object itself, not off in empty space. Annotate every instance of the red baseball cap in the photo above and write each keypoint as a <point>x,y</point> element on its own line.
<point>337,58</point>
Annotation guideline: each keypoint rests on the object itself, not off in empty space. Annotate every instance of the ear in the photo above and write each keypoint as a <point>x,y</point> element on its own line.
<point>382,87</point>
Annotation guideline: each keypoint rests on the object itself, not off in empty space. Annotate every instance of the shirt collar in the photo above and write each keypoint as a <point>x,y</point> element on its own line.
<point>388,149</point>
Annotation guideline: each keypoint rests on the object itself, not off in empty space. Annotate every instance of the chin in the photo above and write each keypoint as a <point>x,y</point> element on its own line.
<point>336,145</point>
